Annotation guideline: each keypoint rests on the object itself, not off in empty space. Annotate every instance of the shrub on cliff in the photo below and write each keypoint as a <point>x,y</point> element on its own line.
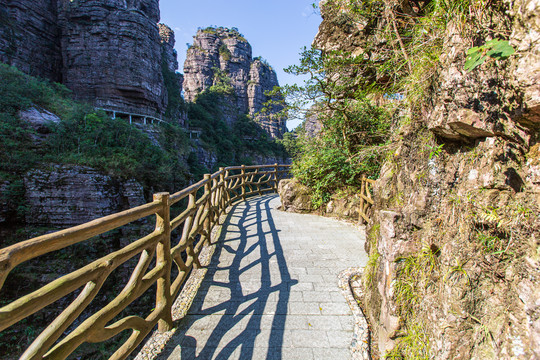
<point>230,144</point>
<point>120,149</point>
<point>354,130</point>
<point>83,136</point>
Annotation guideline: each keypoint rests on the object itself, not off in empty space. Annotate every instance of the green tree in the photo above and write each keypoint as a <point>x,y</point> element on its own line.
<point>354,130</point>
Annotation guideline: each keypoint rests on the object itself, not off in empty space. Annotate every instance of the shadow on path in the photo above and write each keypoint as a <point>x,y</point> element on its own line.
<point>241,307</point>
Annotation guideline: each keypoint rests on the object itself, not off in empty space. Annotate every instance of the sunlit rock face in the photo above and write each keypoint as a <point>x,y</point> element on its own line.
<point>495,100</point>
<point>458,190</point>
<point>219,53</point>
<point>111,53</point>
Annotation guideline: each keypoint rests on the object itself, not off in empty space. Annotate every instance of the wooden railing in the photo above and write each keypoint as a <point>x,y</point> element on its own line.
<point>365,199</point>
<point>206,201</point>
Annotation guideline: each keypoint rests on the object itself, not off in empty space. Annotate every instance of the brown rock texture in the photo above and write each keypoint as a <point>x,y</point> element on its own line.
<point>111,51</point>
<point>455,233</point>
<point>64,195</point>
<point>295,197</point>
<point>218,52</point>
<point>30,37</point>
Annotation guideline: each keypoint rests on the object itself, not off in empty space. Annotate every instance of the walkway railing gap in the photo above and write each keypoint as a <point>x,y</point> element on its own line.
<point>195,222</point>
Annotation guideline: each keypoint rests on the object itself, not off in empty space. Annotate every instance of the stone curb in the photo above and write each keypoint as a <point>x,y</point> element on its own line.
<point>360,342</point>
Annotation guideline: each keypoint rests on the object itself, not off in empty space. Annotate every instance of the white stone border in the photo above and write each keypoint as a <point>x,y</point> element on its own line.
<point>347,282</point>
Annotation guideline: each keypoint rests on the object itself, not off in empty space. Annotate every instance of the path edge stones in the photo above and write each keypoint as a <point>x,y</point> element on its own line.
<point>360,342</point>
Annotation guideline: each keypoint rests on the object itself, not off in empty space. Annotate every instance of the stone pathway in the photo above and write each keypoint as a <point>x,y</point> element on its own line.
<point>271,291</point>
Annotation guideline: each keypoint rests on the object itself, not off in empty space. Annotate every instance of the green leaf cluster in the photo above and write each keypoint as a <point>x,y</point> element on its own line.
<point>224,52</point>
<point>495,49</point>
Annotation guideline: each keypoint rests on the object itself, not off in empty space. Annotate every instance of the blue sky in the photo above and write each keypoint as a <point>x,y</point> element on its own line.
<point>276,30</point>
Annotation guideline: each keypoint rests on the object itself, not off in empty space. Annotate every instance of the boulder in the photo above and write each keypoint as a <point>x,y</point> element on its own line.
<point>295,197</point>
<point>40,120</point>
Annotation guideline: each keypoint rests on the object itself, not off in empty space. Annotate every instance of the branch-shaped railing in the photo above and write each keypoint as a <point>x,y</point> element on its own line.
<point>206,201</point>
<point>365,199</point>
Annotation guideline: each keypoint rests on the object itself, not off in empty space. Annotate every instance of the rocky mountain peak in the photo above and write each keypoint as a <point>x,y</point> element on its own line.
<point>222,51</point>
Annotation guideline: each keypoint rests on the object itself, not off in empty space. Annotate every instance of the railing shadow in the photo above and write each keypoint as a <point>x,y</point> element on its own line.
<point>252,308</point>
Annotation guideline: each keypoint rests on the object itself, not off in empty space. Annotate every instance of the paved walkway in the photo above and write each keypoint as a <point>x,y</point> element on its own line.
<point>271,291</point>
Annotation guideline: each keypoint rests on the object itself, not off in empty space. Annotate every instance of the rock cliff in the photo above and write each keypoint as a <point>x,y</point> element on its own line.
<point>30,37</point>
<point>262,79</point>
<point>454,239</point>
<point>109,53</point>
<point>64,195</point>
<point>224,55</point>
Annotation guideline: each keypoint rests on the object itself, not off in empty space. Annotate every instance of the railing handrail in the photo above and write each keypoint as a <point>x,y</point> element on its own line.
<point>221,189</point>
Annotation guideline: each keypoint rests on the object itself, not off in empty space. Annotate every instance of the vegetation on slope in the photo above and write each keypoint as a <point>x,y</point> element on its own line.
<point>84,136</point>
<point>355,131</point>
<point>236,144</point>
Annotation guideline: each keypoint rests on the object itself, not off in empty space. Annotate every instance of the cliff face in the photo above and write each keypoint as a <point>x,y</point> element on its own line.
<point>109,53</point>
<point>263,78</point>
<point>71,195</point>
<point>30,37</point>
<point>219,55</point>
<point>112,47</point>
<point>168,53</point>
<point>454,239</point>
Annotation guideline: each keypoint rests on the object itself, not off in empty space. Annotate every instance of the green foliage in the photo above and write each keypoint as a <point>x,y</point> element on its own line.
<point>371,269</point>
<point>222,84</point>
<point>414,276</point>
<point>232,32</point>
<point>18,150</point>
<point>414,345</point>
<point>230,144</point>
<point>354,130</point>
<point>263,61</point>
<point>495,49</point>
<point>324,170</point>
<point>175,103</point>
<point>224,52</point>
<point>435,151</point>
<point>120,149</point>
<point>20,91</point>
<point>290,143</point>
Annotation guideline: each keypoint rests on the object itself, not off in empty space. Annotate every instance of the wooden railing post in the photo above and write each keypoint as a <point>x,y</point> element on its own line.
<point>276,177</point>
<point>222,193</point>
<point>208,209</point>
<point>243,183</point>
<point>163,257</point>
<point>215,201</point>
